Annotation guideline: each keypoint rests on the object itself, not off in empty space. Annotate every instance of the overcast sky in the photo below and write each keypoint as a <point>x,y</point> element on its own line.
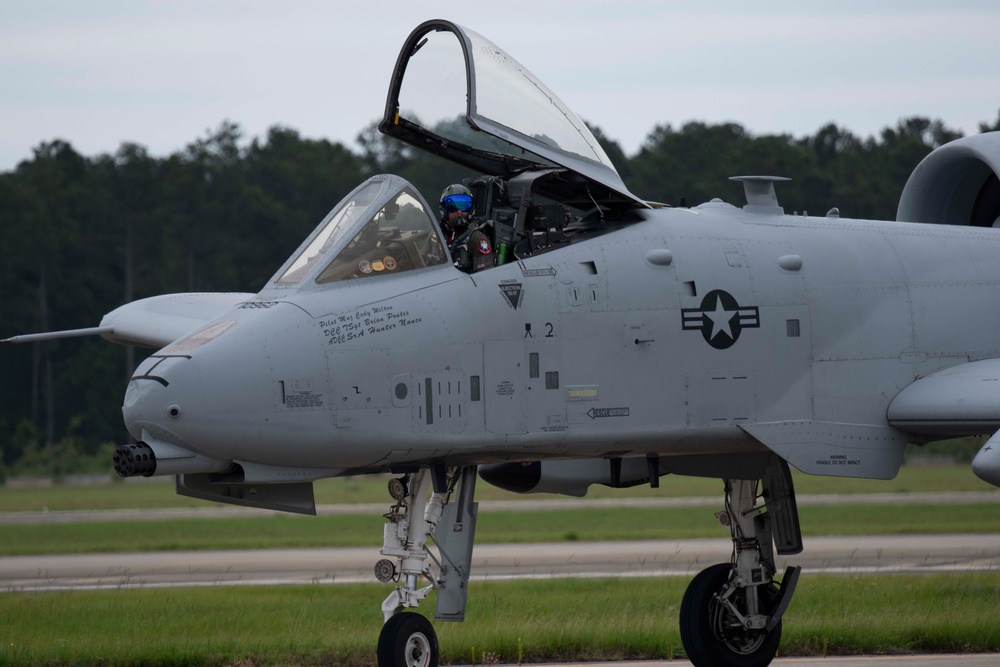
<point>161,74</point>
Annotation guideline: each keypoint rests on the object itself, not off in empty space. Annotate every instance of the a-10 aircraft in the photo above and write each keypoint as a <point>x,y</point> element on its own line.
<point>613,341</point>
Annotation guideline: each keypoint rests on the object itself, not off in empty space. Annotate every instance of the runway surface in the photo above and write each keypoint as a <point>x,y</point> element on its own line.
<point>846,555</point>
<point>967,660</point>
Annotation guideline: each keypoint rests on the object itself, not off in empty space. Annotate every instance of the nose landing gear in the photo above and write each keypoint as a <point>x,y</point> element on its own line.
<point>407,638</point>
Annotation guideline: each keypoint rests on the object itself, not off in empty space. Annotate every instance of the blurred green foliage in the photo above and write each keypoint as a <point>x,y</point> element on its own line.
<point>81,235</point>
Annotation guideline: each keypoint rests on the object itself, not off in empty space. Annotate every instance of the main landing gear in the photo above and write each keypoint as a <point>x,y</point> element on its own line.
<point>731,612</point>
<point>730,615</point>
<point>449,520</point>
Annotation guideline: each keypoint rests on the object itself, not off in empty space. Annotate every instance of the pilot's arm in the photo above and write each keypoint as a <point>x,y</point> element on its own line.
<point>480,251</point>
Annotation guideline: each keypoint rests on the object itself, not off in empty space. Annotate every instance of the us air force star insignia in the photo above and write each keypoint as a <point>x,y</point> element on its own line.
<point>720,319</point>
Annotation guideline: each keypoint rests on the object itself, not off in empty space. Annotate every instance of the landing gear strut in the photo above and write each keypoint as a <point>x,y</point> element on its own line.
<point>731,612</point>
<point>407,638</point>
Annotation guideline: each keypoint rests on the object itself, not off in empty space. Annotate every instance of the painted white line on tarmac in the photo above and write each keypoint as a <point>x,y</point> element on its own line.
<point>943,660</point>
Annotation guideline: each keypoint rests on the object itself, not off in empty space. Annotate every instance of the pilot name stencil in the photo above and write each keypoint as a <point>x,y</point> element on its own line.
<point>346,327</point>
<point>720,319</point>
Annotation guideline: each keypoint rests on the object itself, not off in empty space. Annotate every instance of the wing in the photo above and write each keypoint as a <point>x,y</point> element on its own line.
<point>956,401</point>
<point>153,322</point>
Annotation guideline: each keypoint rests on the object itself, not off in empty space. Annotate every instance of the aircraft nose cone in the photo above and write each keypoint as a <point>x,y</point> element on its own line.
<point>138,406</point>
<point>151,397</point>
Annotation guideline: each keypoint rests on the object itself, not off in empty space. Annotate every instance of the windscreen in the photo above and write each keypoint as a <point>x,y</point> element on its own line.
<point>400,236</point>
<point>340,221</point>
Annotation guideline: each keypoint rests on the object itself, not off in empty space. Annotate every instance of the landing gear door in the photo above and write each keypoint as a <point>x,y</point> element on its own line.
<point>503,386</point>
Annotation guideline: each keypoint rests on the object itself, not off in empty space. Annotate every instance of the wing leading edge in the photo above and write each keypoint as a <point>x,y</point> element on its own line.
<point>956,401</point>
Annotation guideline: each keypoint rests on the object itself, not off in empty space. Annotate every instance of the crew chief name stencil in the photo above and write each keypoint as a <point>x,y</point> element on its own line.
<point>720,319</point>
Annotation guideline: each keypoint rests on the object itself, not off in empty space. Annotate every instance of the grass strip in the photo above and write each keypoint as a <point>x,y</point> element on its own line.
<point>159,492</point>
<point>539,621</point>
<point>590,525</point>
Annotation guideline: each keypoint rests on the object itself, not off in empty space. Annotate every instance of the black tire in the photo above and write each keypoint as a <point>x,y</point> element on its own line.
<point>408,640</point>
<point>704,645</point>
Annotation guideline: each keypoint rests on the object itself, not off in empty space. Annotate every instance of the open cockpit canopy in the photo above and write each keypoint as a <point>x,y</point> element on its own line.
<point>546,180</point>
<point>456,94</point>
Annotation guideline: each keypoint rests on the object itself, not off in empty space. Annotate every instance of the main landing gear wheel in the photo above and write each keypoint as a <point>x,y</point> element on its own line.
<point>712,636</point>
<point>407,640</point>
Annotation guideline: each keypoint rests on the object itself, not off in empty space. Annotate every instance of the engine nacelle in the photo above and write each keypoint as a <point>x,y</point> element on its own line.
<point>956,184</point>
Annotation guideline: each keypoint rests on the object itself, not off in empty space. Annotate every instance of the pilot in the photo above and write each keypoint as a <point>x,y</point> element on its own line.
<point>470,246</point>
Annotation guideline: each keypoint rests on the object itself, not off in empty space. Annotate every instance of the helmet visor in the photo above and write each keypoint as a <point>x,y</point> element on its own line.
<point>453,203</point>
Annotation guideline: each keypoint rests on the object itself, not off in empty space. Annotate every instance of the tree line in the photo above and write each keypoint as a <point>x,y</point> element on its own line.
<point>82,235</point>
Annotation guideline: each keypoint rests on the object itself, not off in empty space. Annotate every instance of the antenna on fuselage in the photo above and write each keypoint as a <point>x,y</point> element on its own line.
<point>760,194</point>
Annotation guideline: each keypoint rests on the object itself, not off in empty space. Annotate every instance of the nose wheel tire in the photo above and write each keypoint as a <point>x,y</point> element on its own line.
<point>408,640</point>
<point>712,636</point>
